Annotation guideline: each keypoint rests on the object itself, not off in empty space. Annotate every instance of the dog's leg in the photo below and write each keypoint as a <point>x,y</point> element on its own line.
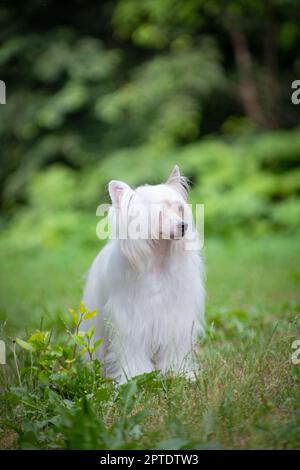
<point>132,369</point>
<point>179,360</point>
<point>124,363</point>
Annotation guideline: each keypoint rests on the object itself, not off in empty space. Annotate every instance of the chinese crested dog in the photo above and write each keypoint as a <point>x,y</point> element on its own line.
<point>147,283</point>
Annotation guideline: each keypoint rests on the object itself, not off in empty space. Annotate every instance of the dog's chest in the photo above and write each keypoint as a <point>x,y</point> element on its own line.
<point>154,284</point>
<point>160,289</point>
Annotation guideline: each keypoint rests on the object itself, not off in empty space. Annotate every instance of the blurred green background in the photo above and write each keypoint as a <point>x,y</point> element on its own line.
<point>99,90</point>
<point>124,89</point>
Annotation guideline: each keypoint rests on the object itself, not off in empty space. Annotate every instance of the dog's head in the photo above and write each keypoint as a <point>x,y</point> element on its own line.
<point>151,212</point>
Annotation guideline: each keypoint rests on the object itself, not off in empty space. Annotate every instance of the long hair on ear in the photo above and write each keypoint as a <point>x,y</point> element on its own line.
<point>121,195</point>
<point>136,251</point>
<point>179,183</point>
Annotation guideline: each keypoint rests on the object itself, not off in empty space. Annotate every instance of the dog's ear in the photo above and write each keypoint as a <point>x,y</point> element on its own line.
<point>174,176</point>
<point>116,190</point>
<point>180,183</point>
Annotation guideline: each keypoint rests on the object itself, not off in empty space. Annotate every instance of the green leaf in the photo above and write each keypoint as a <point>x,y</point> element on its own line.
<point>90,332</point>
<point>39,338</point>
<point>74,315</point>
<point>23,344</point>
<point>43,377</point>
<point>82,308</point>
<point>79,339</point>
<point>83,351</point>
<point>97,343</point>
<point>90,315</point>
<point>103,394</point>
<point>128,393</point>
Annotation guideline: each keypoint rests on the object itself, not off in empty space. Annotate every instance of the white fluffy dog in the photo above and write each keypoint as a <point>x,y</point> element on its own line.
<point>148,290</point>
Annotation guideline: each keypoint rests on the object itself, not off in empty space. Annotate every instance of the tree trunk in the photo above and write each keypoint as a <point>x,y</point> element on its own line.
<point>247,86</point>
<point>271,73</point>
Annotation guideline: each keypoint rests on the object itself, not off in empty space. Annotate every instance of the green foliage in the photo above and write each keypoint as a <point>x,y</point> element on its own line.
<point>54,364</point>
<point>162,101</point>
<point>77,425</point>
<point>246,184</point>
<point>138,77</point>
<point>64,74</point>
<point>241,399</point>
<point>57,388</point>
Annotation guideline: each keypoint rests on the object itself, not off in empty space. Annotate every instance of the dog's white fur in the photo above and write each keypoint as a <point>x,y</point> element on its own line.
<point>149,293</point>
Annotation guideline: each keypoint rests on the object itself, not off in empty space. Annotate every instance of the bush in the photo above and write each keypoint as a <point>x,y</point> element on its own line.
<point>248,184</point>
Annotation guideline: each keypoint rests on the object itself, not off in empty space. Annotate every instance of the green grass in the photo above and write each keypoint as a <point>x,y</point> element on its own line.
<point>246,396</point>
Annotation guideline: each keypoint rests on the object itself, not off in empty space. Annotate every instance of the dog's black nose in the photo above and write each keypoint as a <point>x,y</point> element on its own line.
<point>183,226</point>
